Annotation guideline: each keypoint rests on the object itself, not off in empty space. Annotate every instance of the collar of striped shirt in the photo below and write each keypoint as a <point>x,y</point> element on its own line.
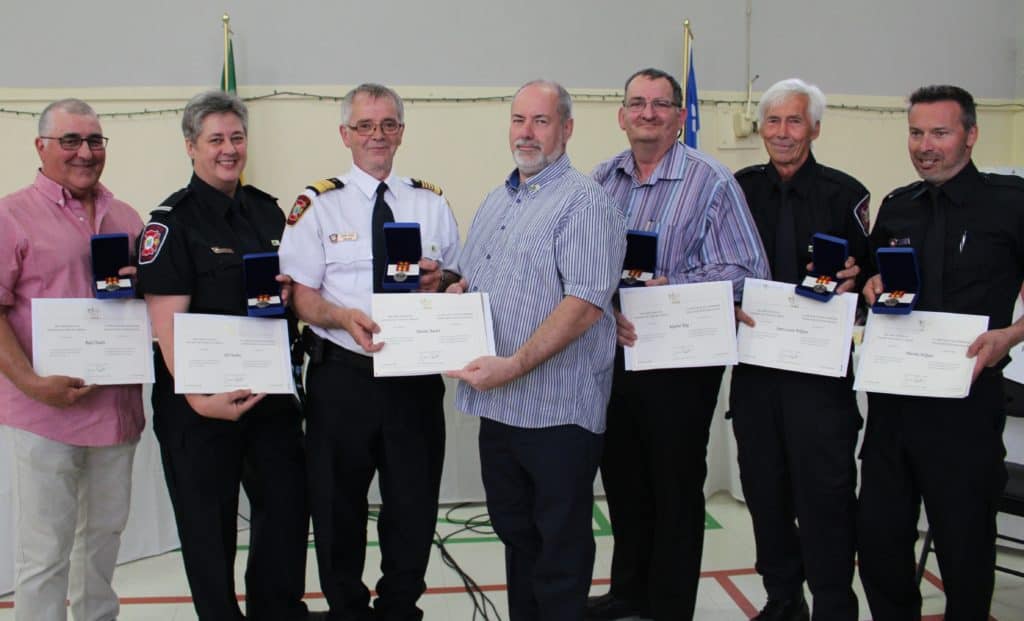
<point>552,171</point>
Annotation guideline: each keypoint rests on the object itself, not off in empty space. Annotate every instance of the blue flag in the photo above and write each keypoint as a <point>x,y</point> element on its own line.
<point>692,124</point>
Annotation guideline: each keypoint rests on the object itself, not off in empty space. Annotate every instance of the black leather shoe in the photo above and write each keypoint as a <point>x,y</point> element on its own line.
<point>608,607</point>
<point>784,610</point>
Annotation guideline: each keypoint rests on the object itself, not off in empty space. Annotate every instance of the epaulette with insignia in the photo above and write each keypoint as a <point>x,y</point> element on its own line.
<point>756,168</point>
<point>425,185</point>
<point>325,185</point>
<point>303,201</point>
<point>171,201</point>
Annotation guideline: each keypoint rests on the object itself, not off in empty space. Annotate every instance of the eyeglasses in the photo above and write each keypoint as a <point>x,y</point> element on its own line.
<point>639,104</point>
<point>366,128</point>
<point>73,142</point>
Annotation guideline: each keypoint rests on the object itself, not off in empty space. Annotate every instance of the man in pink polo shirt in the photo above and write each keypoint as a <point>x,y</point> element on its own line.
<point>73,443</point>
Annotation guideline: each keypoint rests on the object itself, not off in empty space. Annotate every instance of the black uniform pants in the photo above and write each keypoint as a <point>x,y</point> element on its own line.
<point>796,435</point>
<point>653,470</point>
<point>204,462</point>
<point>948,452</point>
<point>540,498</point>
<point>358,425</point>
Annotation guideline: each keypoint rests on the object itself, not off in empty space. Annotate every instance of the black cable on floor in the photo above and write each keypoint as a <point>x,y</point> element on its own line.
<point>479,524</point>
<point>483,607</point>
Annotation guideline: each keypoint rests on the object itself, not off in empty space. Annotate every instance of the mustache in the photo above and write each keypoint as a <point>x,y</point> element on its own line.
<point>525,142</point>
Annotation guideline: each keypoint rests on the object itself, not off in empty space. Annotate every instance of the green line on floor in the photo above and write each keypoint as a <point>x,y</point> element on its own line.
<point>602,528</point>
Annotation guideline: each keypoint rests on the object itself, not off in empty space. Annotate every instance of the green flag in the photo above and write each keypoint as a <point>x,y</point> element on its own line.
<point>227,74</point>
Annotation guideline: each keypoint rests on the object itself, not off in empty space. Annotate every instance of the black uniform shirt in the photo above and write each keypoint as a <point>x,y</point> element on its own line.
<point>823,199</point>
<point>203,234</point>
<point>982,262</point>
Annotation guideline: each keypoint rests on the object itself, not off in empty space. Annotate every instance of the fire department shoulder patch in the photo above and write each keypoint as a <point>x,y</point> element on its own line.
<point>152,238</point>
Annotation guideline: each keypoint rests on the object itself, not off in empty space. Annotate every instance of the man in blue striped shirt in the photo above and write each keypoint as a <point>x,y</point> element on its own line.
<point>547,245</point>
<point>658,421</point>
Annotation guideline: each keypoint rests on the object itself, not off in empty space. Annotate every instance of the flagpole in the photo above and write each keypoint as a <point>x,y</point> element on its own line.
<point>687,42</point>
<point>686,53</point>
<point>224,80</point>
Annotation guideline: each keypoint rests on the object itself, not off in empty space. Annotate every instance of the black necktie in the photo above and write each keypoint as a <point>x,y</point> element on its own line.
<point>381,213</point>
<point>248,237</point>
<point>785,240</point>
<point>932,263</point>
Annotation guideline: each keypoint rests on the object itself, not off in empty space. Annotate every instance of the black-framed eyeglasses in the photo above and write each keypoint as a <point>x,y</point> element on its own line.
<point>366,128</point>
<point>73,142</point>
<point>638,104</point>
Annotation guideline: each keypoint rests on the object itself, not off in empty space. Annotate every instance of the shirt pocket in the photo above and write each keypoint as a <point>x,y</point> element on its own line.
<point>346,260</point>
<point>979,253</point>
<point>210,261</point>
<point>219,285</point>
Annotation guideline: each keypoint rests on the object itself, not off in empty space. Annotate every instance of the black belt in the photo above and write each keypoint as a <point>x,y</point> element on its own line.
<point>336,353</point>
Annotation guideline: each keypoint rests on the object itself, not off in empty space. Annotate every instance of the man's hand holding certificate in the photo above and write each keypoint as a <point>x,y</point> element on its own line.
<point>923,354</point>
<point>103,342</point>
<point>796,333</point>
<point>680,326</point>
<point>425,333</point>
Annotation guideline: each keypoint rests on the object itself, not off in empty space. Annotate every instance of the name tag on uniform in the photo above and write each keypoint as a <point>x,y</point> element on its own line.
<point>342,237</point>
<point>222,250</point>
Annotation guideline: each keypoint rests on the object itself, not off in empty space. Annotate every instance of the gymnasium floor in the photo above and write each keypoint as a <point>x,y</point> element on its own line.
<point>154,589</point>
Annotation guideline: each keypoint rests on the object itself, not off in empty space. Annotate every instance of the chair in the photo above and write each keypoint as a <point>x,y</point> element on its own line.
<point>1012,501</point>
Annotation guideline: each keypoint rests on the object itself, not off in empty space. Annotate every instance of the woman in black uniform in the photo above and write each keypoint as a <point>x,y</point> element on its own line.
<point>191,261</point>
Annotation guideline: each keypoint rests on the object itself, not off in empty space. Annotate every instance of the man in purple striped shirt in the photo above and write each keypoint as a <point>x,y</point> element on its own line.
<point>654,466</point>
<point>547,245</point>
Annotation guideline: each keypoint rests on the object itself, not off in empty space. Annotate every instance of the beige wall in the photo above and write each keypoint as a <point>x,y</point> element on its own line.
<point>460,146</point>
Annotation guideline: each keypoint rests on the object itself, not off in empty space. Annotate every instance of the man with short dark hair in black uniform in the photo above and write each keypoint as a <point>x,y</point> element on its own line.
<point>796,433</point>
<point>358,424</point>
<point>967,230</point>
<point>190,260</point>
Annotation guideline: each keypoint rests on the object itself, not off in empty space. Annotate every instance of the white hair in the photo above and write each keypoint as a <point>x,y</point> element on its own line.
<point>784,89</point>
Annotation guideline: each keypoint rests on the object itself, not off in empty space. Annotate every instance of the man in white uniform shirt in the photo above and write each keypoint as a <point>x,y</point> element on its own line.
<point>357,424</point>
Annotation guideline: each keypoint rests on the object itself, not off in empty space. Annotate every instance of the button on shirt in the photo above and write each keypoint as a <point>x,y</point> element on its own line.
<point>530,245</point>
<point>45,252</point>
<point>330,248</point>
<point>705,231</point>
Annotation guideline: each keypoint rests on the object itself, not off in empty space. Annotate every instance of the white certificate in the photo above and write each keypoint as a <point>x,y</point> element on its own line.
<point>922,354</point>
<point>425,333</point>
<point>100,341</point>
<point>796,333</point>
<point>220,353</point>
<point>680,326</point>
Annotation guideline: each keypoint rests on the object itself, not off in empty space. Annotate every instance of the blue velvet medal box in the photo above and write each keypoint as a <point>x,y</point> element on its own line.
<point>828,255</point>
<point>403,248</point>
<point>111,252</point>
<point>902,280</point>
<point>262,291</point>
<point>641,258</point>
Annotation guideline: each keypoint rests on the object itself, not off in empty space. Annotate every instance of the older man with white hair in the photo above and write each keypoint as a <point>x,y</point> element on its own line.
<point>796,432</point>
